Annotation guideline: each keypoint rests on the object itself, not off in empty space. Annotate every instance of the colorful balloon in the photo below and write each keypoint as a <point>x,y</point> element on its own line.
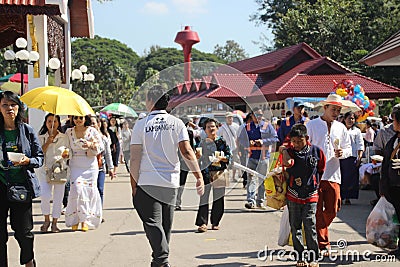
<point>363,117</point>
<point>372,104</point>
<point>342,92</point>
<point>366,104</point>
<point>357,89</point>
<point>347,83</point>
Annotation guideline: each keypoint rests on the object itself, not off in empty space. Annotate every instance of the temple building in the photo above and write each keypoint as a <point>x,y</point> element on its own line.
<point>279,77</point>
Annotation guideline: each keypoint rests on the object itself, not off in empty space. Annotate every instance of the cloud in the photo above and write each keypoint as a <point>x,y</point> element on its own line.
<point>155,8</point>
<point>191,6</point>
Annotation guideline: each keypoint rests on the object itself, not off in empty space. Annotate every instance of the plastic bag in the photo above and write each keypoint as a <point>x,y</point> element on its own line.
<point>382,225</point>
<point>269,186</point>
<point>275,189</point>
<point>284,228</point>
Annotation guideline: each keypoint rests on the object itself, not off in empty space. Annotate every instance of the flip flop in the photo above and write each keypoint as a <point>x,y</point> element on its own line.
<point>45,227</point>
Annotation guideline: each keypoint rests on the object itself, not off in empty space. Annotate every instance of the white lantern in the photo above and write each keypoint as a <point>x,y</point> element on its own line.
<point>76,74</point>
<point>83,68</point>
<point>21,42</point>
<point>34,56</point>
<point>22,55</point>
<point>9,55</point>
<point>89,77</point>
<point>54,63</point>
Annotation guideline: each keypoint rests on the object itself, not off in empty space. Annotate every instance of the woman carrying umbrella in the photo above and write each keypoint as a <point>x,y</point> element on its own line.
<point>17,136</point>
<point>54,144</point>
<point>84,202</point>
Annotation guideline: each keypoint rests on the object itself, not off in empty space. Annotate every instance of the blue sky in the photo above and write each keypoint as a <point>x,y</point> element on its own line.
<point>141,24</point>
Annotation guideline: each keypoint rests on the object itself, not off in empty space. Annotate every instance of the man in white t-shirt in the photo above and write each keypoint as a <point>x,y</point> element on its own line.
<point>229,131</point>
<point>155,171</point>
<point>330,136</point>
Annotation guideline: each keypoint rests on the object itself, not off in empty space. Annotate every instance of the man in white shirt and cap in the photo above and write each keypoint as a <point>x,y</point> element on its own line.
<point>331,136</point>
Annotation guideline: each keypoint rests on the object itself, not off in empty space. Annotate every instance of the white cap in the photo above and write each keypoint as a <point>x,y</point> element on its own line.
<point>377,157</point>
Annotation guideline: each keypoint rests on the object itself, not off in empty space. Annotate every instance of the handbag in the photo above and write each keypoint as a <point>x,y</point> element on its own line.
<point>15,192</point>
<point>58,173</point>
<point>219,179</point>
<point>18,193</point>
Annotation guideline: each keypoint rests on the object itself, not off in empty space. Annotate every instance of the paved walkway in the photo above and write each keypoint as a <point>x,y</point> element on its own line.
<point>244,239</point>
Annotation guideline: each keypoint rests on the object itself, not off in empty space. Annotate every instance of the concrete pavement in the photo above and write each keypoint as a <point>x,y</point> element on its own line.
<point>246,237</point>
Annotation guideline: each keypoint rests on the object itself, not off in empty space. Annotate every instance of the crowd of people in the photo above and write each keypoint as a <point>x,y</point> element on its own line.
<point>322,156</point>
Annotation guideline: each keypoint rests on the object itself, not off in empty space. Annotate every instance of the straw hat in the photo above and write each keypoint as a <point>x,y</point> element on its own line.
<point>334,99</point>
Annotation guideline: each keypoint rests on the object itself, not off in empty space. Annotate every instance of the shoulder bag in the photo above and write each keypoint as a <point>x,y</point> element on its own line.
<point>15,192</point>
<point>219,178</point>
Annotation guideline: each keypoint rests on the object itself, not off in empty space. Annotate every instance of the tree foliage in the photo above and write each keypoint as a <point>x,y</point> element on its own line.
<point>345,30</point>
<point>230,52</point>
<point>113,65</point>
<point>159,59</point>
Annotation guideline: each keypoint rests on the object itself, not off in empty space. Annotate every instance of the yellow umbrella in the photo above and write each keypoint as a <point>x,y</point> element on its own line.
<point>57,100</point>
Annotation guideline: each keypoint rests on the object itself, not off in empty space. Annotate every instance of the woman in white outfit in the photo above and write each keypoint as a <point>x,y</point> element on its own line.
<point>84,203</point>
<point>52,141</point>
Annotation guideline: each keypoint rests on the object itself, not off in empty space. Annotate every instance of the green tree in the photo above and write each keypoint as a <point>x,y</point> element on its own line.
<point>230,52</point>
<point>113,64</point>
<point>344,30</point>
<point>159,59</point>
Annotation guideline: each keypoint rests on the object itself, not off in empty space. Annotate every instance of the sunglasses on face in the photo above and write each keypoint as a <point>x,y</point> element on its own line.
<point>78,117</point>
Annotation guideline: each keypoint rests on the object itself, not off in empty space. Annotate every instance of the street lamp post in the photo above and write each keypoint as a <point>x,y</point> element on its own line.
<point>82,75</point>
<point>21,57</point>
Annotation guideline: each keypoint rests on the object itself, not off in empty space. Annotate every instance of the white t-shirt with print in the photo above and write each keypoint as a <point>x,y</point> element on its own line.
<point>317,130</point>
<point>159,134</point>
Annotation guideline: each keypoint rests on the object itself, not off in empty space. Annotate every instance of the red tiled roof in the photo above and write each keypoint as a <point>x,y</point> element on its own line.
<point>311,78</point>
<point>234,85</point>
<point>322,85</point>
<point>271,87</point>
<point>304,68</point>
<point>273,60</point>
<point>178,99</point>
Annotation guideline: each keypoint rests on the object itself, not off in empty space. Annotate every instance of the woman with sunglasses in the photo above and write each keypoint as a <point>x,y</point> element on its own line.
<point>17,136</point>
<point>84,202</point>
<point>105,160</point>
<point>54,144</point>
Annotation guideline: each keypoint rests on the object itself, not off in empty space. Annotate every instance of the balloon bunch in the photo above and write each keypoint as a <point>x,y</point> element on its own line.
<point>356,94</point>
